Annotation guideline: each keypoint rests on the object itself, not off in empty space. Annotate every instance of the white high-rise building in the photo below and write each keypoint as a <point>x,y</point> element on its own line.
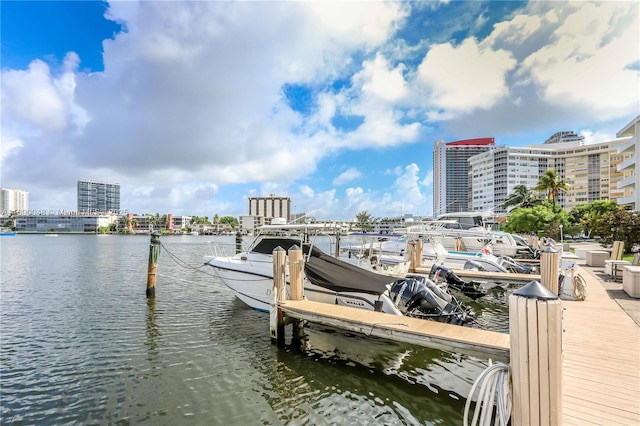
<point>13,200</point>
<point>629,184</point>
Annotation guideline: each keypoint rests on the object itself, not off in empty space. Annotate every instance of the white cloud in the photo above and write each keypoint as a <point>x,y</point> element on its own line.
<point>347,176</point>
<point>585,63</point>
<point>459,79</point>
<point>31,97</point>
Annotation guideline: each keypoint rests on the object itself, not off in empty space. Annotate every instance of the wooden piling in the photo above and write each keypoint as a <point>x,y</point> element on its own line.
<point>535,328</point>
<point>549,268</point>
<point>276,317</point>
<point>296,292</point>
<point>154,251</point>
<point>415,255</point>
<point>295,273</point>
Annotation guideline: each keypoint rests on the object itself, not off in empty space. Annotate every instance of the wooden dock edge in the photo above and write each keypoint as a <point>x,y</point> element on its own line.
<point>405,329</point>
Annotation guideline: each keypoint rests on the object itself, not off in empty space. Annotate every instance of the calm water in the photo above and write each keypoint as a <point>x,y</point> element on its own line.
<point>80,343</point>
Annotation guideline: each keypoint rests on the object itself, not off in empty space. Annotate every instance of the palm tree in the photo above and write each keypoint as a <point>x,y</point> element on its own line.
<point>552,184</point>
<point>521,197</point>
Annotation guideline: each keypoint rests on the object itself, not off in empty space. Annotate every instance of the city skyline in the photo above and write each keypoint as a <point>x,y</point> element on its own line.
<point>194,107</point>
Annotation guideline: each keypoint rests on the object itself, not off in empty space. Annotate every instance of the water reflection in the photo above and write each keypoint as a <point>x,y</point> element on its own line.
<point>153,332</point>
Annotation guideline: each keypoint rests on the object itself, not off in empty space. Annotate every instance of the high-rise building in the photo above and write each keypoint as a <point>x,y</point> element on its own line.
<point>98,197</point>
<point>12,200</point>
<point>270,207</point>
<point>629,184</point>
<point>494,174</point>
<point>451,184</point>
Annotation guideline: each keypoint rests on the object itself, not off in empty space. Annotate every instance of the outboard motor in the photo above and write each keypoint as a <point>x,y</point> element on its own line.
<point>410,295</point>
<point>470,289</point>
<point>437,290</point>
<point>413,298</point>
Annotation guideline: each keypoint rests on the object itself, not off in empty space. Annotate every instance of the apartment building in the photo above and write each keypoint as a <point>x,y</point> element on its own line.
<point>591,172</point>
<point>629,183</point>
<point>12,200</point>
<point>451,184</point>
<point>270,207</point>
<point>98,197</point>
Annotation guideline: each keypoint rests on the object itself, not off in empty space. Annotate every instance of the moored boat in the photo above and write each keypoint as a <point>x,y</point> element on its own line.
<point>327,279</point>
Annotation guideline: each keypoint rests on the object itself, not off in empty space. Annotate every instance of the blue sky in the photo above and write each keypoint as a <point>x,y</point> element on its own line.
<point>195,106</point>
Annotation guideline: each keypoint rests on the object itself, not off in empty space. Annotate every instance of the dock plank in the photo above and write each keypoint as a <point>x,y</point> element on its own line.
<point>601,356</point>
<point>410,330</point>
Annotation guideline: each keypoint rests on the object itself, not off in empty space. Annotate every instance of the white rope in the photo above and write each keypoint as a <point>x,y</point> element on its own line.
<point>494,393</point>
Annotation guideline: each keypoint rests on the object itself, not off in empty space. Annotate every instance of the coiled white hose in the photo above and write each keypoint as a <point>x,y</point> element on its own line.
<point>495,392</point>
<point>579,287</point>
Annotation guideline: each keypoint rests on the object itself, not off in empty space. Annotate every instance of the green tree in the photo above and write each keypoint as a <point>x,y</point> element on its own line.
<point>587,215</point>
<point>542,219</point>
<point>552,185</point>
<point>230,220</point>
<point>364,220</point>
<point>521,197</point>
<point>619,225</point>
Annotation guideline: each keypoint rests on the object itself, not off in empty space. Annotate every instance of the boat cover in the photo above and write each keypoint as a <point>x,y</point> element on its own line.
<point>326,271</point>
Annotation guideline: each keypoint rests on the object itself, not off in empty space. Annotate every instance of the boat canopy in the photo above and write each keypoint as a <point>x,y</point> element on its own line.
<point>329,272</point>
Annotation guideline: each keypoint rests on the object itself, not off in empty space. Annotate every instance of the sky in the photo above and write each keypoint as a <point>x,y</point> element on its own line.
<point>193,107</point>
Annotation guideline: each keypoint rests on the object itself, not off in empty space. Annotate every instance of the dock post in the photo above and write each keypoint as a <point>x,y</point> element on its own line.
<point>535,328</point>
<point>276,318</point>
<point>549,268</point>
<point>411,252</point>
<point>154,251</point>
<point>296,290</point>
<point>295,273</point>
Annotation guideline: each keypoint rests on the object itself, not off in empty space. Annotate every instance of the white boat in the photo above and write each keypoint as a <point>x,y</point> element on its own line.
<point>434,234</point>
<point>327,279</point>
<point>469,231</point>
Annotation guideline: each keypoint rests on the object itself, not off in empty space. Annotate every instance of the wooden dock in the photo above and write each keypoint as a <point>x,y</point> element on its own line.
<point>601,360</point>
<point>601,349</point>
<point>600,342</point>
<point>410,330</point>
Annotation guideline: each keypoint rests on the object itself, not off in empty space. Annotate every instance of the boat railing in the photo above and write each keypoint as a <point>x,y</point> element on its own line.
<point>223,249</point>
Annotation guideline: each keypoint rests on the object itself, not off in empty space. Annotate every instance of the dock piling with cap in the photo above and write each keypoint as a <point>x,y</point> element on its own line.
<point>154,251</point>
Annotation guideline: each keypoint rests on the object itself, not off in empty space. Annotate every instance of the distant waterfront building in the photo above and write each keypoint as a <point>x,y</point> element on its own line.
<point>73,222</point>
<point>629,184</point>
<point>98,197</point>
<point>13,200</point>
<point>565,136</point>
<point>270,207</point>
<point>451,173</point>
<point>248,224</point>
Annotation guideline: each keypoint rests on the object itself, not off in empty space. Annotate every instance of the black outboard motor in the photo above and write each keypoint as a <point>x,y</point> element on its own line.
<point>472,289</point>
<point>413,298</point>
<point>438,291</point>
